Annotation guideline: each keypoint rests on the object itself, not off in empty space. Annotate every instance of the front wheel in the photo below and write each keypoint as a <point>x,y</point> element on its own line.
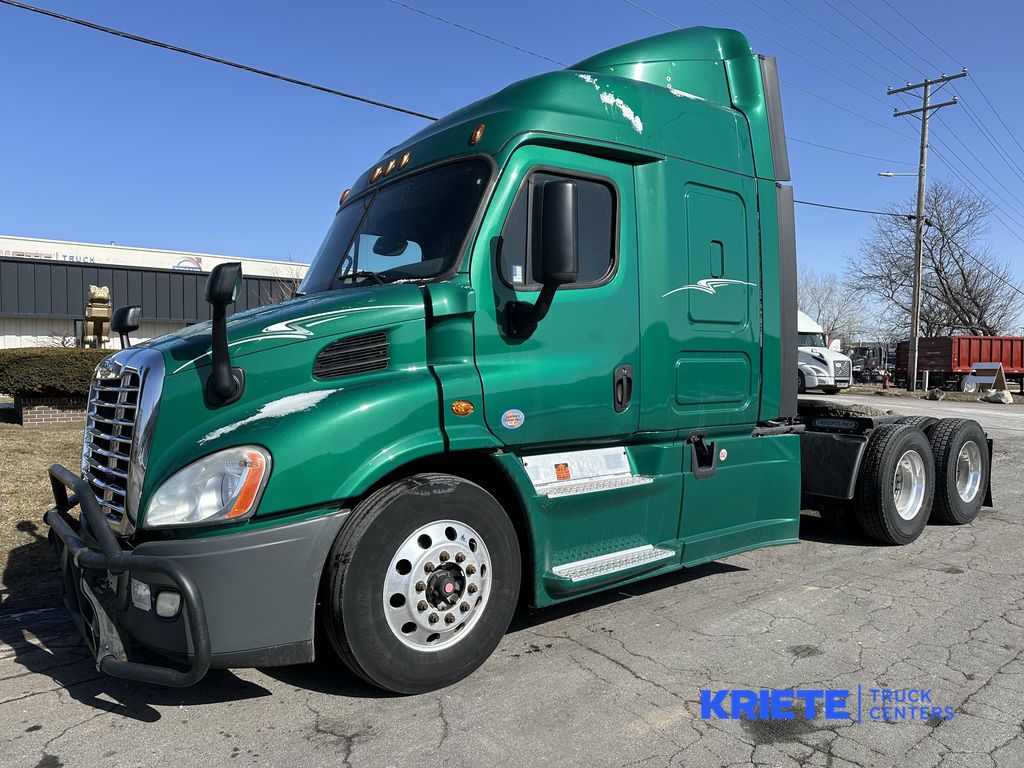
<point>421,583</point>
<point>801,383</point>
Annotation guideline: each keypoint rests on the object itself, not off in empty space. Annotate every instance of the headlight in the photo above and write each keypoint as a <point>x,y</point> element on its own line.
<point>221,487</point>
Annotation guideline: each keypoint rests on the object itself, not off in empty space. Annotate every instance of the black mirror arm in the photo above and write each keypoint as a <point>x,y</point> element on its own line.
<point>523,316</point>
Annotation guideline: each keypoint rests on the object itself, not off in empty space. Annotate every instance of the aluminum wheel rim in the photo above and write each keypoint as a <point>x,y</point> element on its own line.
<point>968,471</point>
<point>421,610</point>
<point>908,485</point>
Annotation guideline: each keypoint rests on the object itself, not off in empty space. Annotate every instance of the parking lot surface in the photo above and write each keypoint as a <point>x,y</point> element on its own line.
<point>614,679</point>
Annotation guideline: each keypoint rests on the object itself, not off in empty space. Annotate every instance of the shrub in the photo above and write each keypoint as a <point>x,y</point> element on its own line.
<point>48,371</point>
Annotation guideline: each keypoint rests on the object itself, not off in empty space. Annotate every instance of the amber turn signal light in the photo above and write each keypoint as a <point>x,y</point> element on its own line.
<point>462,408</point>
<point>478,133</point>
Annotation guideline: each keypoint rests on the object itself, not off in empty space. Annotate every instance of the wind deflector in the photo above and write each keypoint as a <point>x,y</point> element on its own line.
<point>773,106</point>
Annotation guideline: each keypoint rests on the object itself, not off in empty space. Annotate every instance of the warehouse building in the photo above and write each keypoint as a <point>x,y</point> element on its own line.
<point>44,285</point>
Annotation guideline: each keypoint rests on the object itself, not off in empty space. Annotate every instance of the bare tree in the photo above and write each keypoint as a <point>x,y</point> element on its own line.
<point>836,305</point>
<point>965,288</point>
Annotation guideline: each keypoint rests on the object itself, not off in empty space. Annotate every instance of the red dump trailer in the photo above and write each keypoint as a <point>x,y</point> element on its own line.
<point>949,358</point>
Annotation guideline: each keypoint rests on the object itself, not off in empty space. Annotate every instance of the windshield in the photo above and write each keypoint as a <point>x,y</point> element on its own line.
<point>411,229</point>
<point>812,340</point>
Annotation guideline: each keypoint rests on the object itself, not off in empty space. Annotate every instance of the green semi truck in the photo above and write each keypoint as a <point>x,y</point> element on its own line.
<point>547,347</point>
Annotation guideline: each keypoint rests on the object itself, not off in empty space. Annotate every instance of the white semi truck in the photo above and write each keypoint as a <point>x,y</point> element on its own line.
<point>819,367</point>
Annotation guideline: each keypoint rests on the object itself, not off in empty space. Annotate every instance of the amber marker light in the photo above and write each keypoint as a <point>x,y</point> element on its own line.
<point>344,195</point>
<point>406,157</point>
<point>376,173</point>
<point>462,408</point>
<point>390,166</point>
<point>256,467</point>
<point>478,133</point>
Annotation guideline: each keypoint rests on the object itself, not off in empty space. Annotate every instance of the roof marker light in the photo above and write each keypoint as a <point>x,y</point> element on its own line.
<point>344,195</point>
<point>406,156</point>
<point>390,166</point>
<point>376,173</point>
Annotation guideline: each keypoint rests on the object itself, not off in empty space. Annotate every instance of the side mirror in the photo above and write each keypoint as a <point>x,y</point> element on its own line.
<point>225,384</point>
<point>559,247</point>
<point>223,284</point>
<point>557,262</point>
<point>125,320</point>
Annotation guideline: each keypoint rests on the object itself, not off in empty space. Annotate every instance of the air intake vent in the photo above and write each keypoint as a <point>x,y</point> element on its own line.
<point>360,354</point>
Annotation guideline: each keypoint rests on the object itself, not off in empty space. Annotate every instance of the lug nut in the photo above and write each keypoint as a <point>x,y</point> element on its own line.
<point>470,569</point>
<point>429,567</point>
<point>464,607</point>
<point>472,588</point>
<point>432,618</point>
<point>422,606</point>
<point>449,618</point>
<point>460,557</point>
<point>421,586</point>
<point>443,557</point>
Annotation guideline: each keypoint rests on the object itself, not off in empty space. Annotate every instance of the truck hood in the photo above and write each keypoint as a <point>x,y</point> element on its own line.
<point>321,315</point>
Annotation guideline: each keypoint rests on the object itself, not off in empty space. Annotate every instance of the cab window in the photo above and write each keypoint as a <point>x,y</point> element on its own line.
<point>596,227</point>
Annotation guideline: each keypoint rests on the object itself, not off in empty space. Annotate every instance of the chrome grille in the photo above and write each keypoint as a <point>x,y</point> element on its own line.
<point>109,433</point>
<point>842,369</point>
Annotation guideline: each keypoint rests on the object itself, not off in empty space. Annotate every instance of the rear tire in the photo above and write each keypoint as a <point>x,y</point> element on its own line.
<point>924,423</point>
<point>962,470</point>
<point>421,583</point>
<point>895,484</point>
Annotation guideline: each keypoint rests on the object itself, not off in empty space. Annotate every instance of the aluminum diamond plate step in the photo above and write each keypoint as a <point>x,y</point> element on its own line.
<point>588,485</point>
<point>627,559</point>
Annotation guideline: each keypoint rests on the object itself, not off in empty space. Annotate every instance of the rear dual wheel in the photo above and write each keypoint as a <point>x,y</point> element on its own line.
<point>896,484</point>
<point>962,470</point>
<point>421,583</point>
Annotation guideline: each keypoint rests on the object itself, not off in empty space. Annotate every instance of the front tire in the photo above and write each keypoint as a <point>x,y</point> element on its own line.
<point>801,383</point>
<point>896,484</point>
<point>961,470</point>
<point>422,583</point>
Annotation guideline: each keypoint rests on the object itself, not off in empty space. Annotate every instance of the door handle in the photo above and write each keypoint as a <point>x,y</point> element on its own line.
<point>622,387</point>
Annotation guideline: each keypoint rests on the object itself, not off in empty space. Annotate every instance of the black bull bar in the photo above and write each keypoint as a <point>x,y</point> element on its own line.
<point>88,544</point>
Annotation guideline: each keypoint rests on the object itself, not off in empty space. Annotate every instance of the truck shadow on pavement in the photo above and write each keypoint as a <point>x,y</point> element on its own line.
<point>45,644</point>
<point>813,528</point>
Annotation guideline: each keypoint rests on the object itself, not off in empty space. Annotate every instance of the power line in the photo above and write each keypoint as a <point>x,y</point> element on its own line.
<point>856,210</point>
<point>921,32</point>
<point>843,40</point>
<point>214,59</point>
<point>866,32</point>
<point>888,128</point>
<point>807,37</point>
<point>848,152</point>
<point>649,12</point>
<point>478,33</point>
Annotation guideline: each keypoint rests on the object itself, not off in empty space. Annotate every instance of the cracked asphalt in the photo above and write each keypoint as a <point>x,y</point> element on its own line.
<point>612,680</point>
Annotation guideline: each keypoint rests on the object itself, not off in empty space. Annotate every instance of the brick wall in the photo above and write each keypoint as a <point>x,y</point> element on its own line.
<point>41,411</point>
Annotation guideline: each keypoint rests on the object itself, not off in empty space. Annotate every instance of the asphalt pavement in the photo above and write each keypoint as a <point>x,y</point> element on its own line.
<point>612,680</point>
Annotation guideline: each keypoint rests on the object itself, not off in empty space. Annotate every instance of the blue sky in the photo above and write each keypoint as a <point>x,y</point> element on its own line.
<point>106,139</point>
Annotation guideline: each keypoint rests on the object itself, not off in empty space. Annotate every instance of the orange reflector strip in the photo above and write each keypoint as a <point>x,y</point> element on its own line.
<point>250,486</point>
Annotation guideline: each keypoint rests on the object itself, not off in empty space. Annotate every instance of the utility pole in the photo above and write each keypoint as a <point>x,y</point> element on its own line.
<point>925,111</point>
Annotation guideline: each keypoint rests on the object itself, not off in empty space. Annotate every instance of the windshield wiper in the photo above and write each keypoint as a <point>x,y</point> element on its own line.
<point>362,273</point>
